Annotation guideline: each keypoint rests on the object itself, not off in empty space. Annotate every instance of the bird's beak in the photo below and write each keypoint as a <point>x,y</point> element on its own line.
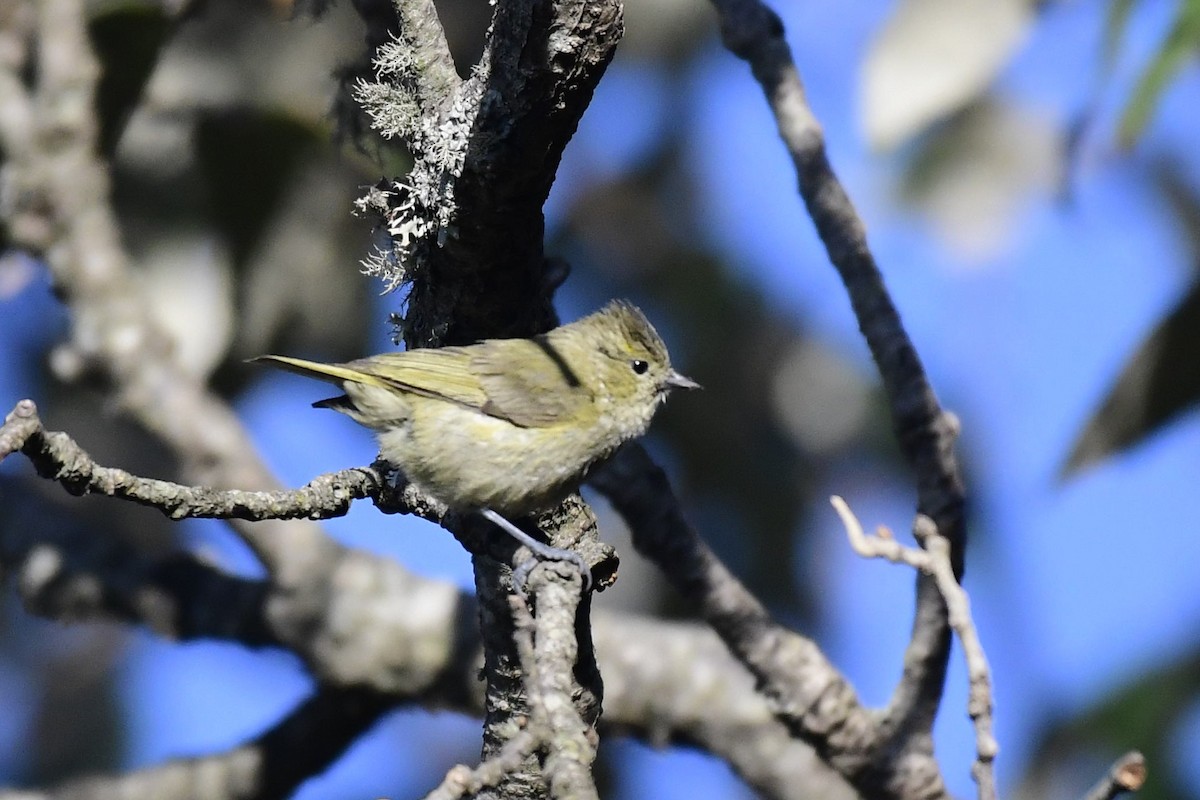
<point>676,381</point>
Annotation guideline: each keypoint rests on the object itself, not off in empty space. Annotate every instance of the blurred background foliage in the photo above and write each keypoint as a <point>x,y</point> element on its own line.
<point>235,163</point>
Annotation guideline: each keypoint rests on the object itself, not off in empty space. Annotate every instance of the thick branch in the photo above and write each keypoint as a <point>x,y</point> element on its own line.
<point>467,229</point>
<point>570,739</point>
<point>68,576</point>
<point>467,221</point>
<point>667,682</point>
<point>682,677</point>
<point>420,34</point>
<point>925,432</point>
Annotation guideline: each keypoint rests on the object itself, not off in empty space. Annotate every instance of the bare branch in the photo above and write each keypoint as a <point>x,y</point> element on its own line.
<point>270,768</point>
<point>570,741</point>
<point>547,649</point>
<point>461,780</point>
<point>470,210</point>
<point>677,683</point>
<point>62,212</point>
<point>468,233</point>
<point>1126,775</point>
<point>806,692</point>
<point>934,560</point>
<point>421,45</point>
<point>71,576</point>
<point>58,457</point>
<point>925,432</point>
<point>666,682</point>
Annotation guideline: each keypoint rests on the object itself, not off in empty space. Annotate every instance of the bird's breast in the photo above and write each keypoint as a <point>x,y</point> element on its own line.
<point>469,460</point>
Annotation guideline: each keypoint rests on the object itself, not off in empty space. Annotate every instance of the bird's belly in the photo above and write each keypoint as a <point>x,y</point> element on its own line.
<point>471,460</point>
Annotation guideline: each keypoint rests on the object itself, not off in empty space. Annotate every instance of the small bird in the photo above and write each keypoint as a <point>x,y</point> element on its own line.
<point>508,427</point>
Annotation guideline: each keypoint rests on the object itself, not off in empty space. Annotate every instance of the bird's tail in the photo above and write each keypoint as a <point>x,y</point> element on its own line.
<point>330,373</point>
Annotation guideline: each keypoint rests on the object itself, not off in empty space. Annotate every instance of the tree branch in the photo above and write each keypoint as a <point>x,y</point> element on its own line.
<point>58,457</point>
<point>467,231</point>
<point>925,432</point>
<point>467,220</point>
<point>61,212</point>
<point>461,780</point>
<point>806,692</point>
<point>570,739</point>
<point>667,682</point>
<point>1126,775</point>
<point>68,576</point>
<point>677,683</point>
<point>934,560</point>
<point>270,768</point>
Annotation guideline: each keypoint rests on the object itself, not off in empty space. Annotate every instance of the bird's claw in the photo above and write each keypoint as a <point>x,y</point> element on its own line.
<point>521,573</point>
<point>541,552</point>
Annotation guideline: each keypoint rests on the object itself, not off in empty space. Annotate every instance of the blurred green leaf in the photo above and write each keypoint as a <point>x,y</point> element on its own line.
<point>1114,29</point>
<point>1160,382</point>
<point>1182,43</point>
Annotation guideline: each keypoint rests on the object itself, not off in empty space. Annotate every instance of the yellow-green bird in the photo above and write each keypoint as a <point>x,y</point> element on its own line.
<point>508,427</point>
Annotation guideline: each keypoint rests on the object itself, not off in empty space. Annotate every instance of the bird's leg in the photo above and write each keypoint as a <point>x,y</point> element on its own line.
<point>541,550</point>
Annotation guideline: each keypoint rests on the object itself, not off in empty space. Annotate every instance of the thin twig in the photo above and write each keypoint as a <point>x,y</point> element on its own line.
<point>461,780</point>
<point>934,560</point>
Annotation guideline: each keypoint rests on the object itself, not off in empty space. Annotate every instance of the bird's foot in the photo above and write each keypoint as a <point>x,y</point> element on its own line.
<point>540,550</point>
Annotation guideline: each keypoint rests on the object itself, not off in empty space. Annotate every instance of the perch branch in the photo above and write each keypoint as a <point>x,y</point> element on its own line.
<point>58,457</point>
<point>570,741</point>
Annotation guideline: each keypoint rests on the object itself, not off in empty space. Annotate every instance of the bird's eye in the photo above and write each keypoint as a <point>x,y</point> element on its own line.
<point>639,366</point>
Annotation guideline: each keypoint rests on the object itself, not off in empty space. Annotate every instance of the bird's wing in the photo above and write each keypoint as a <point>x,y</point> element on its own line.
<point>443,373</point>
<point>528,383</point>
